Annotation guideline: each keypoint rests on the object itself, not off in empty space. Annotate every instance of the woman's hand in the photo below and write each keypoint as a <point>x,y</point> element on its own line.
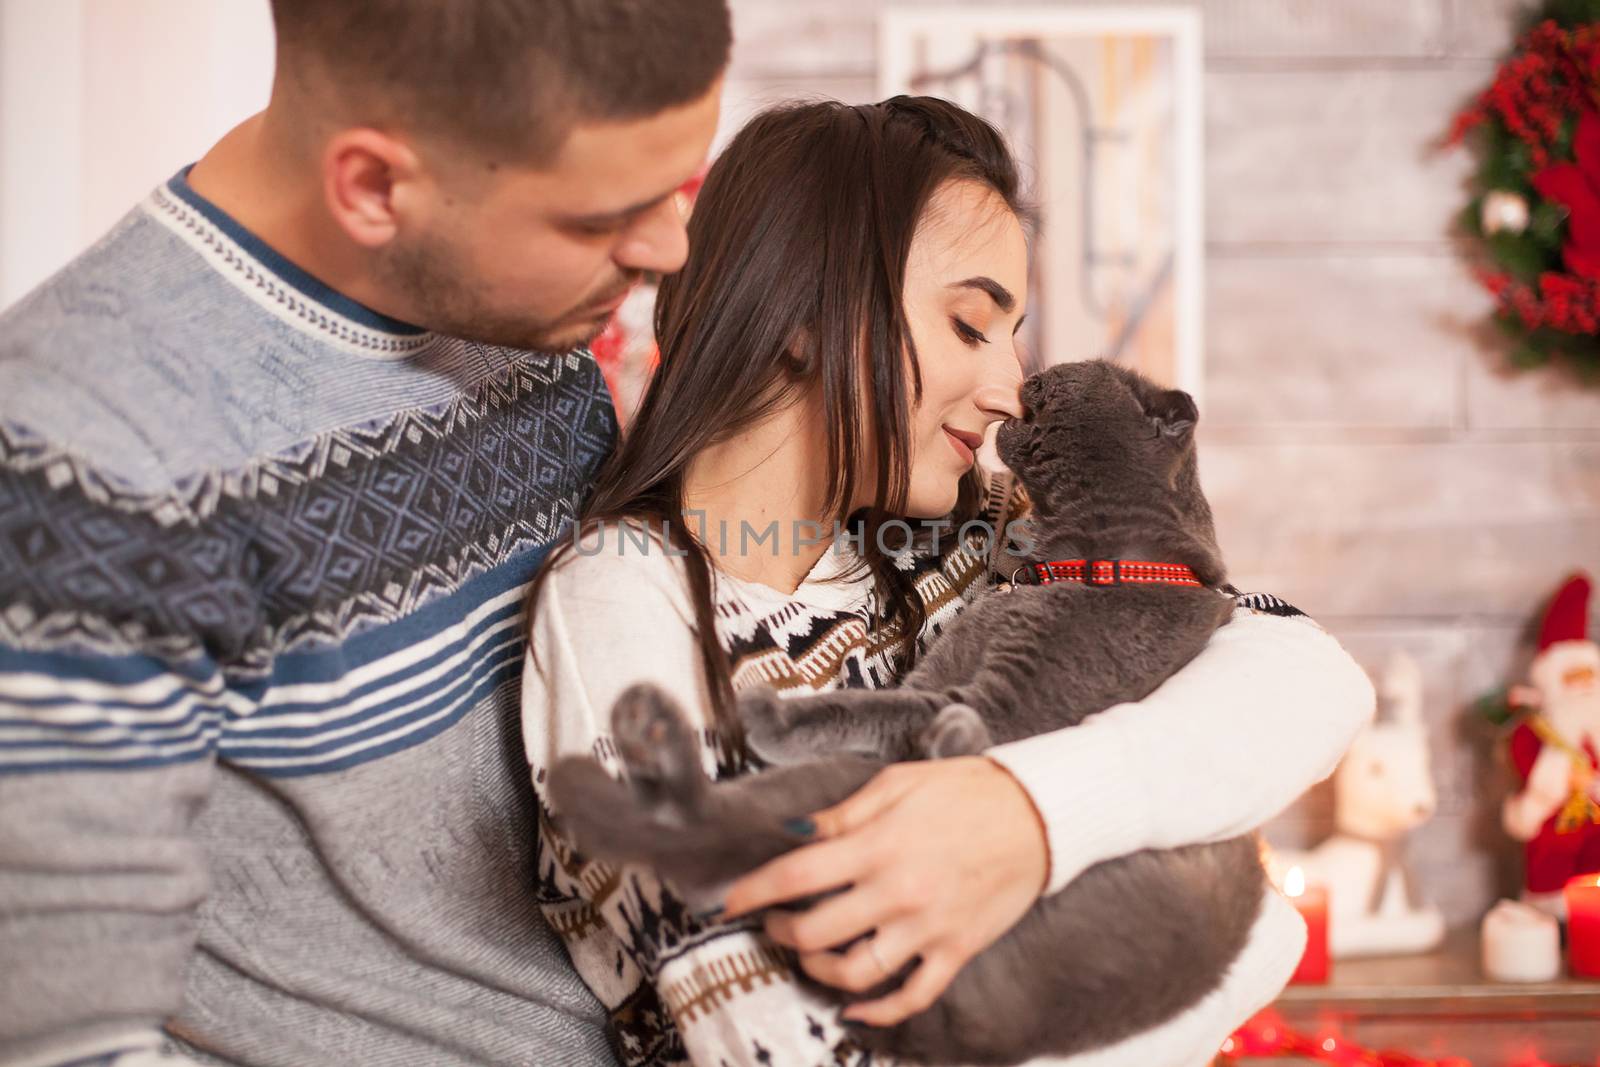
<point>942,857</point>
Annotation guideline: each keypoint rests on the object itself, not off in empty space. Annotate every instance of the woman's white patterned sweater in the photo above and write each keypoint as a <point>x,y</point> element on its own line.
<point>1276,692</point>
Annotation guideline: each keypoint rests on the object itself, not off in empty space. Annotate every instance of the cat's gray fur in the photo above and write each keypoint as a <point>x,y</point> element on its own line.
<point>1108,460</point>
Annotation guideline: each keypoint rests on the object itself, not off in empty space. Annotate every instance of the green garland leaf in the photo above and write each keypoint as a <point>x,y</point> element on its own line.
<point>1518,254</point>
<point>1496,707</point>
<point>1570,13</point>
<point>1588,364</point>
<point>1528,355</point>
<point>1547,227</point>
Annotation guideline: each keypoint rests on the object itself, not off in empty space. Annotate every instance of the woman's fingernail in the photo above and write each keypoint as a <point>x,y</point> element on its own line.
<point>800,827</point>
<point>709,914</point>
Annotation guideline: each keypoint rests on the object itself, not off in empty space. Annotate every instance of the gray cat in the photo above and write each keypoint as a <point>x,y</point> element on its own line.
<point>1108,460</point>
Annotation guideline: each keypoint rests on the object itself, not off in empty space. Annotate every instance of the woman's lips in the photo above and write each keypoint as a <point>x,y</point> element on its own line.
<point>965,443</point>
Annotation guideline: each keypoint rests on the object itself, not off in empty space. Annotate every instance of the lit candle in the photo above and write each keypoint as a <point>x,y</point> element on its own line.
<point>1520,943</point>
<point>1311,901</point>
<point>1583,925</point>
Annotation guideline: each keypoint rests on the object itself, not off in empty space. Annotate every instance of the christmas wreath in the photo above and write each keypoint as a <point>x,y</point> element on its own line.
<point>1536,203</point>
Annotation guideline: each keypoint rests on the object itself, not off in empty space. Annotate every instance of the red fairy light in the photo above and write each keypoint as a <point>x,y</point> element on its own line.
<point>1266,1035</point>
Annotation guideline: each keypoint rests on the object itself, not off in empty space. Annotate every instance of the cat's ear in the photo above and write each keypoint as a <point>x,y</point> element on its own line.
<point>1173,412</point>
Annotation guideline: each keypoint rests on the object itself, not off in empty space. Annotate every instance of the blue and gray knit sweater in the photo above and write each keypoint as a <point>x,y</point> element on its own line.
<point>262,560</point>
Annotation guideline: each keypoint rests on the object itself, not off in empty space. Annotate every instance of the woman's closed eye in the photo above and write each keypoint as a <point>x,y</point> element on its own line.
<point>969,335</point>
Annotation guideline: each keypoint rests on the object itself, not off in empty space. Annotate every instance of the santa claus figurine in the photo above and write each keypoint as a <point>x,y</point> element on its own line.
<point>1555,749</point>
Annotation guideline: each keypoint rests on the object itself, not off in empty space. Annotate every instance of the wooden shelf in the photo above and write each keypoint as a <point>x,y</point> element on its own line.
<point>1441,1004</point>
<point>1450,977</point>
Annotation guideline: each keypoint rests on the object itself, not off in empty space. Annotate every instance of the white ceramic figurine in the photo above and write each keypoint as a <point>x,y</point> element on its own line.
<point>1383,789</point>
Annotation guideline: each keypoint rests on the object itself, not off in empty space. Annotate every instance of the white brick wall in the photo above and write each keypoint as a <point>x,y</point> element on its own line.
<point>1368,457</point>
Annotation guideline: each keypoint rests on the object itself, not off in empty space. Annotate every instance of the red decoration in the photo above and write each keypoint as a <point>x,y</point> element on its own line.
<point>1576,185</point>
<point>1553,75</point>
<point>1553,79</point>
<point>1559,301</point>
<point>1567,617</point>
<point>1560,710</point>
<point>1583,925</point>
<point>1312,904</point>
<point>1265,1035</point>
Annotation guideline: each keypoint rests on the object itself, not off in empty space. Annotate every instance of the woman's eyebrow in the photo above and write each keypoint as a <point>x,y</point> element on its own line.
<point>997,292</point>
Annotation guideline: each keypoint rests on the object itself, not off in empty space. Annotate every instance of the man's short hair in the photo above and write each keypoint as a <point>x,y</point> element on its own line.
<point>508,76</point>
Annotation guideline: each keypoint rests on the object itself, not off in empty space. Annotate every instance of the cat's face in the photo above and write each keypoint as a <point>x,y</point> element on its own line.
<point>1094,427</point>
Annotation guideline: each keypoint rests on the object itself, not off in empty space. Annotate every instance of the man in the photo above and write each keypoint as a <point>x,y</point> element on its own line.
<point>277,457</point>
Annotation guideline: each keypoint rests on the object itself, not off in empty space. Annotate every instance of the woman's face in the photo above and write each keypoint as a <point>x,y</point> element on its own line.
<point>966,284</point>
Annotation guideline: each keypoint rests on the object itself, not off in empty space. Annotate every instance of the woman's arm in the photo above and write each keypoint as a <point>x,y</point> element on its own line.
<point>602,624</point>
<point>923,846</point>
<point>1264,712</point>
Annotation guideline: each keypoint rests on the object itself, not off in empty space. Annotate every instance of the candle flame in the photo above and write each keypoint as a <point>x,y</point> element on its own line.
<point>1294,883</point>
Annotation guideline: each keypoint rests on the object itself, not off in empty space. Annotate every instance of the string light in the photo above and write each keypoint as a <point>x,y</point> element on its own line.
<point>1266,1035</point>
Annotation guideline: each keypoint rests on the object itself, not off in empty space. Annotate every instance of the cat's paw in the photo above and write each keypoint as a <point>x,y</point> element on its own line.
<point>958,730</point>
<point>769,727</point>
<point>655,742</point>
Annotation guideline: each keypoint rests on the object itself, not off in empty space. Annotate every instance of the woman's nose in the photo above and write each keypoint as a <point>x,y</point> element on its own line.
<point>999,397</point>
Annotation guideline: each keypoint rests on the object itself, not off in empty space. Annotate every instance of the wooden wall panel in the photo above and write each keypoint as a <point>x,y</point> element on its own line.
<point>1367,455</point>
<point>1343,341</point>
<point>1341,157</point>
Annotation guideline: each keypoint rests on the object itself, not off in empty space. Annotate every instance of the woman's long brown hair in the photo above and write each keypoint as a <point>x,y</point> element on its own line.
<point>797,260</point>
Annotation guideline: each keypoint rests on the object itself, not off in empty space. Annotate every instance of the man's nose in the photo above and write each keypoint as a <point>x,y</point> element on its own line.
<point>657,242</point>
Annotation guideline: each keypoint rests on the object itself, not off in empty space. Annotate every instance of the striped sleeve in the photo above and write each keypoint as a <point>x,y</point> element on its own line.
<point>104,762</point>
<point>63,711</point>
<point>107,750</point>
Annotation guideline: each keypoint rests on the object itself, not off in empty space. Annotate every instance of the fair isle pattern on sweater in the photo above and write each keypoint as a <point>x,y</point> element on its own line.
<point>263,557</point>
<point>795,648</point>
<point>380,496</point>
<point>299,555</point>
<point>805,651</point>
<point>248,576</point>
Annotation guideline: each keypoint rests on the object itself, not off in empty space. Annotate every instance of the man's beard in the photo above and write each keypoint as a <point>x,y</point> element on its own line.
<point>438,288</point>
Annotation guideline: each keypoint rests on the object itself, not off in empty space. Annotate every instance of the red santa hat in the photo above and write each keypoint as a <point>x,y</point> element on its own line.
<point>1567,618</point>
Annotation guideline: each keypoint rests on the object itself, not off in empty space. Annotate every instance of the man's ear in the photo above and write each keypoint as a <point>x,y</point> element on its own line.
<point>365,173</point>
<point>1174,413</point>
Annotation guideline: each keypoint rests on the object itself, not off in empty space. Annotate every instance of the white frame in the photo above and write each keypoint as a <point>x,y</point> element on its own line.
<point>898,26</point>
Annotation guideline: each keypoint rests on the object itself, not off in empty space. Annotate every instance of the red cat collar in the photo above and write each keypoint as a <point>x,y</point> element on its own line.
<point>1105,572</point>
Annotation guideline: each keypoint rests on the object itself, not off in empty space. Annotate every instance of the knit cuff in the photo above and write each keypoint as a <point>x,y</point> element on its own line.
<point>1272,954</point>
<point>1085,790</point>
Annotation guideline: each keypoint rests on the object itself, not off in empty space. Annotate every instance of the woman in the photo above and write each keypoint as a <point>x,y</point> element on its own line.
<point>839,339</point>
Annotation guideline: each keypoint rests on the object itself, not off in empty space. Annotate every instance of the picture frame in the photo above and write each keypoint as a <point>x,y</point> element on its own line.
<point>1103,108</point>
